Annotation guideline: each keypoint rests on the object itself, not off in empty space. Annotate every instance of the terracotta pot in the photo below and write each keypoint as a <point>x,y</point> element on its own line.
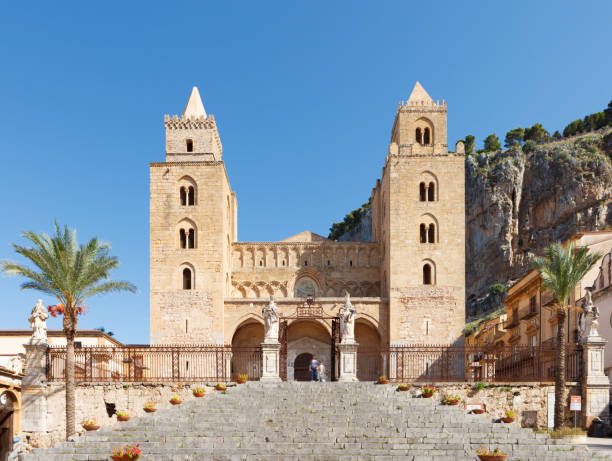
<point>176,402</point>
<point>199,394</point>
<point>123,418</point>
<point>241,381</point>
<point>403,389</point>
<point>220,388</point>
<point>123,458</point>
<point>91,427</point>
<point>426,396</point>
<point>508,420</point>
<point>478,411</point>
<point>383,381</point>
<point>453,402</point>
<point>492,458</point>
<point>150,410</point>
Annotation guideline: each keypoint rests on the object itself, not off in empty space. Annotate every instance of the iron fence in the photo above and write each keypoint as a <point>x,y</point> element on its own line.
<point>441,363</point>
<point>156,363</point>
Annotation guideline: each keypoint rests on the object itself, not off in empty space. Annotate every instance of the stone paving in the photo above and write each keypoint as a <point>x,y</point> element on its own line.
<point>314,421</point>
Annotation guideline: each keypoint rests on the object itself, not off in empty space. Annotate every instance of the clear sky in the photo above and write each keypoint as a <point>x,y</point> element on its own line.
<point>304,96</point>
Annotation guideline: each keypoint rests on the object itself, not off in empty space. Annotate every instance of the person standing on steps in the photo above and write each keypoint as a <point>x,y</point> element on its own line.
<point>314,364</point>
<point>321,372</point>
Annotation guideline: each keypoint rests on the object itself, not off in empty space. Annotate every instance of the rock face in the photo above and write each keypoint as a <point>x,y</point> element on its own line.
<point>517,203</point>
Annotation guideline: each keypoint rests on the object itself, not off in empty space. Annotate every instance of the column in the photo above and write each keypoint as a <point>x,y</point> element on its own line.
<point>595,384</point>
<point>270,352</point>
<point>33,388</point>
<point>348,361</point>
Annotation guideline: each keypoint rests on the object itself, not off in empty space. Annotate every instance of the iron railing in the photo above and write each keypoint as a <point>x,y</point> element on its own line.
<point>440,363</point>
<point>182,363</point>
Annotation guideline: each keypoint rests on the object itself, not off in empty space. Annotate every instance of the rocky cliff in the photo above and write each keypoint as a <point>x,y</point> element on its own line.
<point>517,203</point>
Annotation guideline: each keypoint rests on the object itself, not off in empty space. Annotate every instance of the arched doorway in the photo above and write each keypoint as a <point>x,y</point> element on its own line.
<point>306,338</point>
<point>8,415</point>
<point>301,367</point>
<point>369,366</point>
<point>246,350</point>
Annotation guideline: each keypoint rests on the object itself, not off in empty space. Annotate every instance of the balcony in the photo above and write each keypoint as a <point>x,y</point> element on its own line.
<point>509,324</point>
<point>530,313</point>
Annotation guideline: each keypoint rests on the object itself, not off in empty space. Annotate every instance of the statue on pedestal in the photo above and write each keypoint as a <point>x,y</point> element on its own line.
<point>347,315</point>
<point>271,321</point>
<point>589,318</point>
<point>38,322</point>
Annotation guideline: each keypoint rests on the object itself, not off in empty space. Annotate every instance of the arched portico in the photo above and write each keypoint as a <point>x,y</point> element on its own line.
<point>307,337</point>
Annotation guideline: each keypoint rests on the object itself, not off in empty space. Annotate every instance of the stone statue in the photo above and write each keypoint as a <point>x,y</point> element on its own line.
<point>347,315</point>
<point>588,320</point>
<point>16,364</point>
<point>271,321</point>
<point>38,322</point>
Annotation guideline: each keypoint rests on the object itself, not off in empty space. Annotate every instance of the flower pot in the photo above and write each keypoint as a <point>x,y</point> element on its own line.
<point>150,410</point>
<point>453,402</point>
<point>221,388</point>
<point>123,418</point>
<point>403,389</point>
<point>478,411</point>
<point>91,427</point>
<point>427,396</point>
<point>241,381</point>
<point>383,381</point>
<point>508,420</point>
<point>176,402</point>
<point>492,457</point>
<point>199,394</point>
<point>123,458</point>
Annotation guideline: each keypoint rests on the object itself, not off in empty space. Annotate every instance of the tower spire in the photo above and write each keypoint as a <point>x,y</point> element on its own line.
<point>194,107</point>
<point>419,94</point>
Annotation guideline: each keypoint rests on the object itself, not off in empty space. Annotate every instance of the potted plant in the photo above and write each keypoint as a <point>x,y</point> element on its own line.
<point>428,391</point>
<point>494,455</point>
<point>383,380</point>
<point>242,379</point>
<point>199,392</point>
<point>220,387</point>
<point>175,400</point>
<point>149,407</point>
<point>510,416</point>
<point>478,411</point>
<point>126,453</point>
<point>403,387</point>
<point>452,400</point>
<point>90,424</point>
<point>123,416</point>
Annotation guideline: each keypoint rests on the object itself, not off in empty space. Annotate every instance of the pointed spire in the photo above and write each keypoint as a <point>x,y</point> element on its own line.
<point>194,107</point>
<point>419,94</point>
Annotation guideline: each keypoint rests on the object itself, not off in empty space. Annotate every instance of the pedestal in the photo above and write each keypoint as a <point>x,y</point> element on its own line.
<point>33,388</point>
<point>348,362</point>
<point>595,383</point>
<point>271,358</point>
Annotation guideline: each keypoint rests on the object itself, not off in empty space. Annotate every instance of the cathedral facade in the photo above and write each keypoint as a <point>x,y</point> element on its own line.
<point>407,284</point>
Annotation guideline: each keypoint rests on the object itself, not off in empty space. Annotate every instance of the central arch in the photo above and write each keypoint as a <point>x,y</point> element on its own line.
<point>307,338</point>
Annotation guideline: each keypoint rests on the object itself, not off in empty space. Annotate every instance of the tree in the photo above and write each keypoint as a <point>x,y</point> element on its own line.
<point>469,144</point>
<point>491,143</point>
<point>608,113</point>
<point>556,135</point>
<point>71,273</point>
<point>537,134</point>
<point>514,137</point>
<point>103,330</point>
<point>561,270</point>
<point>577,126</point>
<point>595,121</point>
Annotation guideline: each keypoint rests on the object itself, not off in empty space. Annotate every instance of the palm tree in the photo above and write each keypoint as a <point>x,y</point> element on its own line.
<point>561,269</point>
<point>71,273</point>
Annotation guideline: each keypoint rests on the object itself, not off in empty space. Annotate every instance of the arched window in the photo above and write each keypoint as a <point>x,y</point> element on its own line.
<point>283,262</point>
<point>423,232</point>
<point>305,288</point>
<point>426,136</point>
<point>189,145</point>
<point>183,238</point>
<point>260,263</point>
<point>191,196</point>
<point>431,233</point>
<point>422,192</point>
<point>183,195</point>
<point>187,279</point>
<point>419,136</point>
<point>426,274</point>
<point>191,239</point>
<point>431,192</point>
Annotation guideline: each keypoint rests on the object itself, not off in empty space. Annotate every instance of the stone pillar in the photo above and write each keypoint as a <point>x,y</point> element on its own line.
<point>33,388</point>
<point>271,359</point>
<point>595,384</point>
<point>348,361</point>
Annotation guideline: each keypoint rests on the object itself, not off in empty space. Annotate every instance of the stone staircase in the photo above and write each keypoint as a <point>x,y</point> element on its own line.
<point>313,421</point>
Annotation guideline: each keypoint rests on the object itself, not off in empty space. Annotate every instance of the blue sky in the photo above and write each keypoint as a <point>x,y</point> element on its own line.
<point>304,96</point>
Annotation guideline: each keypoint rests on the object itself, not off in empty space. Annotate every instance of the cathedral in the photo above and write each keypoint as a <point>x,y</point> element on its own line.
<point>407,284</point>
